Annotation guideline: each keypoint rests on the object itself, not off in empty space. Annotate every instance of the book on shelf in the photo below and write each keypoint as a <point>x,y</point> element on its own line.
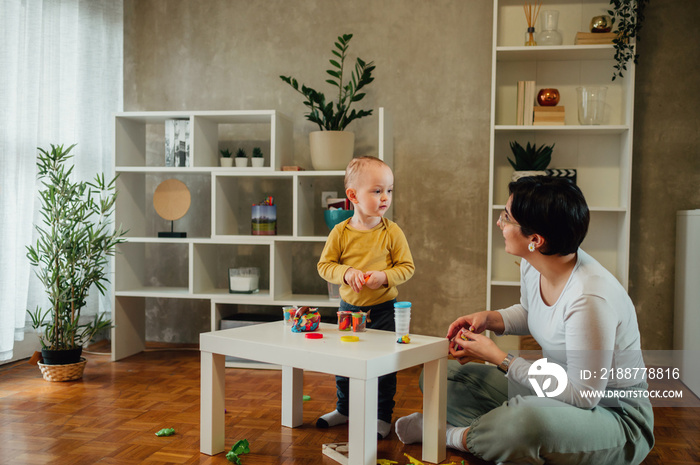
<point>529,105</point>
<point>594,38</point>
<point>549,116</point>
<point>521,101</point>
<point>525,103</point>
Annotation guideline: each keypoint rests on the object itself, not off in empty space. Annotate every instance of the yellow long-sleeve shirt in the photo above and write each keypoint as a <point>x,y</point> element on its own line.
<point>382,248</point>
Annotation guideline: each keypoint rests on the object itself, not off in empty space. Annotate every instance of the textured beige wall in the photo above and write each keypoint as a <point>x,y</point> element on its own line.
<point>433,74</point>
<point>666,173</point>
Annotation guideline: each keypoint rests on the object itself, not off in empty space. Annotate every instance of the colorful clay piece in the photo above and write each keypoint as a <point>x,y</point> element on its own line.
<point>307,322</point>
<point>413,461</point>
<point>404,339</point>
<point>385,462</point>
<point>349,338</point>
<point>239,448</point>
<point>166,432</point>
<point>306,397</point>
<point>313,336</point>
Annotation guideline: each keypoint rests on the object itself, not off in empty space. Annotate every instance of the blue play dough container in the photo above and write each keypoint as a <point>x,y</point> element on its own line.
<point>334,217</point>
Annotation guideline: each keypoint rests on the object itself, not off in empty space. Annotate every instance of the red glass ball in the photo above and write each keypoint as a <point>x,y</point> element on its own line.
<point>548,97</point>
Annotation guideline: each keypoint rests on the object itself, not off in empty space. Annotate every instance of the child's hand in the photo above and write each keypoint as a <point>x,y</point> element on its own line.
<point>375,279</point>
<point>355,279</point>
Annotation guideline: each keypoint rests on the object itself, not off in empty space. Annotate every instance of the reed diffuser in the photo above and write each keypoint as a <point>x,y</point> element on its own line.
<point>531,13</point>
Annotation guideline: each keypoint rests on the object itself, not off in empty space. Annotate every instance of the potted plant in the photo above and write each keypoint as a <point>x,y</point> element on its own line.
<point>530,160</point>
<point>332,147</point>
<point>241,159</point>
<point>70,257</point>
<point>629,16</point>
<point>258,161</point>
<point>226,160</point>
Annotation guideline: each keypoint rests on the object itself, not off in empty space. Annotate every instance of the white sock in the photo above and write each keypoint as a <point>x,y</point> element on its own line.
<point>333,418</point>
<point>383,429</point>
<point>455,435</point>
<point>410,429</point>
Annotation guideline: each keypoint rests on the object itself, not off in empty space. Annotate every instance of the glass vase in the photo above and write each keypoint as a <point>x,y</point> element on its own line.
<point>550,35</point>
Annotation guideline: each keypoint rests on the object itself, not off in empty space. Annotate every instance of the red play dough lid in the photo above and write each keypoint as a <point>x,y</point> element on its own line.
<point>313,336</point>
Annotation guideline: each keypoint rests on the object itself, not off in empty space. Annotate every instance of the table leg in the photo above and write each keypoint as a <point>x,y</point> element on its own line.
<point>362,435</point>
<point>434,410</point>
<point>211,404</point>
<point>292,396</point>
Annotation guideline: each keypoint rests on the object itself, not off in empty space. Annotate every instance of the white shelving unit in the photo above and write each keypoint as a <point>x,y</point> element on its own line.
<point>602,155</point>
<point>219,238</point>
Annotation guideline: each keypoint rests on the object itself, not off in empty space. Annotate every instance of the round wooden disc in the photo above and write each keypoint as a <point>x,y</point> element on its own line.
<point>171,199</point>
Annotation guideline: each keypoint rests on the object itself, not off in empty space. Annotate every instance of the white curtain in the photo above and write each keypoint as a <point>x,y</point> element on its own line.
<point>61,67</point>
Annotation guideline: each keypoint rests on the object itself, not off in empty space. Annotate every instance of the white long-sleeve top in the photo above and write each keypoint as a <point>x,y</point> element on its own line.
<point>591,331</point>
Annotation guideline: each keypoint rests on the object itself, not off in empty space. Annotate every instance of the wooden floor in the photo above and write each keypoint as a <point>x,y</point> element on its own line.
<point>111,415</point>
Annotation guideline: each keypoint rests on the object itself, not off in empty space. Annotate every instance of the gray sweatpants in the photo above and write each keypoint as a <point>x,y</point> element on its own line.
<point>533,430</point>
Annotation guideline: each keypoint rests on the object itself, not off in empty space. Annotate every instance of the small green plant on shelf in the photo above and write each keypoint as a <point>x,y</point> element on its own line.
<point>335,116</point>
<point>241,154</point>
<point>226,153</point>
<point>530,158</point>
<point>257,152</point>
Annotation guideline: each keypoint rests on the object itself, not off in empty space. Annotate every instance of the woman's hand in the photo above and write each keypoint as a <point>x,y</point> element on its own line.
<point>476,323</point>
<point>468,346</point>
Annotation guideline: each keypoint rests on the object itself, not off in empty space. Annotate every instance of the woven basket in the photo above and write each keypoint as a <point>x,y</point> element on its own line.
<point>67,372</point>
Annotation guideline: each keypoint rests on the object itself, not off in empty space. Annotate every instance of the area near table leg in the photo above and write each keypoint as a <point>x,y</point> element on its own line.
<point>292,397</point>
<point>211,404</point>
<point>434,410</point>
<point>362,433</point>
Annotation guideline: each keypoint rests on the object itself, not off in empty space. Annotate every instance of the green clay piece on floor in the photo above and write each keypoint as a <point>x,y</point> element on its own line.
<point>166,432</point>
<point>306,397</point>
<point>239,448</point>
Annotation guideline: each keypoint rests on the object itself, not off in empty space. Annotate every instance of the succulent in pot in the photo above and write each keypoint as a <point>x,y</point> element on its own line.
<point>530,160</point>
<point>74,240</point>
<point>226,160</point>
<point>257,159</point>
<point>241,158</point>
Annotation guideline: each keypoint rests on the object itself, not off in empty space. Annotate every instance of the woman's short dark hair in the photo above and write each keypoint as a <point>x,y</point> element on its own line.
<point>554,208</point>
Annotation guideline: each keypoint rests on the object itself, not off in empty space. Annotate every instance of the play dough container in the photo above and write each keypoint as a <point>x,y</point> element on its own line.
<point>344,320</point>
<point>359,322</point>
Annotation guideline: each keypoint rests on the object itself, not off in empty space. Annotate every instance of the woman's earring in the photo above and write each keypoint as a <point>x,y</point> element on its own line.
<point>531,247</point>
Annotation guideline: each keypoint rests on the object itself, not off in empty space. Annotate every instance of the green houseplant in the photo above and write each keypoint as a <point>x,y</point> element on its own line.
<point>628,16</point>
<point>75,238</point>
<point>530,160</point>
<point>257,159</point>
<point>226,160</point>
<point>333,117</point>
<point>241,158</point>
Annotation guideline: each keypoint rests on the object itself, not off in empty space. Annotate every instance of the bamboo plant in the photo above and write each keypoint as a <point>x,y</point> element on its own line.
<point>75,237</point>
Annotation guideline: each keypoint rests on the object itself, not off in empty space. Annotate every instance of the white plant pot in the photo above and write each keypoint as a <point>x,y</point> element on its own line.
<point>226,162</point>
<point>521,174</point>
<point>241,162</point>
<point>331,150</point>
<point>257,162</point>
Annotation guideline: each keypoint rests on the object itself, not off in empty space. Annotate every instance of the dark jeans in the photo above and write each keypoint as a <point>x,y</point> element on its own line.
<point>381,317</point>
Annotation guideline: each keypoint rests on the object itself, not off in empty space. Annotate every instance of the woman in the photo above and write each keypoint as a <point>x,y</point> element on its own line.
<point>566,407</point>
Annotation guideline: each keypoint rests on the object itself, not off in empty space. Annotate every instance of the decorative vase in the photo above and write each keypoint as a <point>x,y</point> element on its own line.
<point>61,357</point>
<point>591,105</point>
<point>257,162</point>
<point>602,23</point>
<point>550,35</point>
<point>241,162</point>
<point>331,150</point>
<point>226,162</point>
<point>548,97</point>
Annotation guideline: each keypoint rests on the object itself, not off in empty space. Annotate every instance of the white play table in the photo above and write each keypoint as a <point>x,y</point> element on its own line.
<point>376,354</point>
